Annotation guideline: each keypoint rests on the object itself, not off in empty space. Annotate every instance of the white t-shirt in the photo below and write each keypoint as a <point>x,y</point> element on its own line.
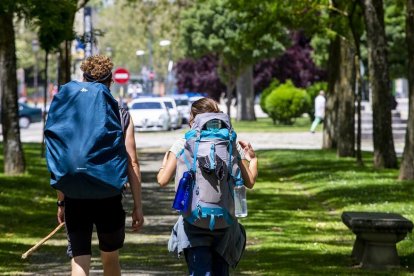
<point>320,106</point>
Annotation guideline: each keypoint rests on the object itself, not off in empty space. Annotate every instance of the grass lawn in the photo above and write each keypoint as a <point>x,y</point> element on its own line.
<point>294,225</point>
<point>266,125</point>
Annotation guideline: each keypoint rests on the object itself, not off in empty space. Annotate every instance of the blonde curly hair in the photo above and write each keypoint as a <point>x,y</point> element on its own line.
<point>97,68</point>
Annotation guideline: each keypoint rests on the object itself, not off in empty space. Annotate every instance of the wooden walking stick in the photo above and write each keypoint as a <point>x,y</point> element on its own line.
<point>37,245</point>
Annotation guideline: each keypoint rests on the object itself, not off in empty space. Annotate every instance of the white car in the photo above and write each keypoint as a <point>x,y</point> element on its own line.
<point>195,98</point>
<point>176,117</point>
<point>184,106</point>
<point>150,114</point>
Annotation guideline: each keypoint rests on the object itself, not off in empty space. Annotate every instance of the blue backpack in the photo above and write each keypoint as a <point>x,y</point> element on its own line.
<point>85,148</point>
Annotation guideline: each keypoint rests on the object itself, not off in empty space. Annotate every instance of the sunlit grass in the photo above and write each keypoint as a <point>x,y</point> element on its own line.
<point>294,224</point>
<point>266,125</point>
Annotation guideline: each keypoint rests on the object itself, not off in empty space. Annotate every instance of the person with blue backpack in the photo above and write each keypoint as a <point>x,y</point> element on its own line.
<point>210,163</point>
<point>91,155</point>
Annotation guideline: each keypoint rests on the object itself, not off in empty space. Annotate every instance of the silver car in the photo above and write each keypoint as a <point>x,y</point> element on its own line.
<point>176,116</point>
<point>150,114</point>
<point>184,106</point>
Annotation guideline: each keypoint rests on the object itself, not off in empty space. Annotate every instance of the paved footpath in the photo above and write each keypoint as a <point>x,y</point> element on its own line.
<point>259,140</point>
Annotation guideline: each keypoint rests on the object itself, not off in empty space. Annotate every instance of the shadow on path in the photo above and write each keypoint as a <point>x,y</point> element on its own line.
<point>144,253</point>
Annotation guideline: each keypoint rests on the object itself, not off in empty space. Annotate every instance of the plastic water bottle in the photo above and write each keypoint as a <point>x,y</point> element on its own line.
<point>183,194</point>
<point>213,124</point>
<point>240,202</point>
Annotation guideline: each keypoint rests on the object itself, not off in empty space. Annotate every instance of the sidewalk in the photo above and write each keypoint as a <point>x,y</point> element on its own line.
<point>259,140</point>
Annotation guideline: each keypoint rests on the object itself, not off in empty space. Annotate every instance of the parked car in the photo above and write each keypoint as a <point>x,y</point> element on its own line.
<point>28,115</point>
<point>184,106</point>
<point>150,114</point>
<point>176,117</point>
<point>194,98</point>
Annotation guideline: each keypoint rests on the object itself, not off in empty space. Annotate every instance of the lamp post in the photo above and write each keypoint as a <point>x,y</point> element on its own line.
<point>167,43</point>
<point>35,49</point>
<point>140,54</point>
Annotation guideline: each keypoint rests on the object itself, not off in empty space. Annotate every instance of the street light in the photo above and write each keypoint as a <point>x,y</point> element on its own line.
<point>144,73</point>
<point>165,43</point>
<point>140,52</point>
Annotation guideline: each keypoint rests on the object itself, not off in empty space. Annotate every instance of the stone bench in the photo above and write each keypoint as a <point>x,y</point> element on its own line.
<point>376,237</point>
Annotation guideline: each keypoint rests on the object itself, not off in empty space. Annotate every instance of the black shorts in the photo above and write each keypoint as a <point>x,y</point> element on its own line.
<point>108,216</point>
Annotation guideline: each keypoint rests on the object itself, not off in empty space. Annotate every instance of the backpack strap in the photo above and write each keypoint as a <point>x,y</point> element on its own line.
<point>197,143</point>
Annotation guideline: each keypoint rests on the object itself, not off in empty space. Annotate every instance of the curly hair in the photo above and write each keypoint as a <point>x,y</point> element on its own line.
<point>98,68</point>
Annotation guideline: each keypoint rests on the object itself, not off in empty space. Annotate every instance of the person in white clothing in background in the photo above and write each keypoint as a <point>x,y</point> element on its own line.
<point>319,110</point>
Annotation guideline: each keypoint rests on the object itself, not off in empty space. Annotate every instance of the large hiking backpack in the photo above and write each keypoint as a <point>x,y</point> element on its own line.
<point>211,156</point>
<point>85,148</point>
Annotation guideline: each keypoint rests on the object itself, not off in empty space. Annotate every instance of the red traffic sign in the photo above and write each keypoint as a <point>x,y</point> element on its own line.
<point>121,75</point>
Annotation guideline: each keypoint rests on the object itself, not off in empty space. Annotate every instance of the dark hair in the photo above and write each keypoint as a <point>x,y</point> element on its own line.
<point>203,105</point>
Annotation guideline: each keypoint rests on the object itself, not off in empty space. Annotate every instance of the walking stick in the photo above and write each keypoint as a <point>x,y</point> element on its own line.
<point>37,245</point>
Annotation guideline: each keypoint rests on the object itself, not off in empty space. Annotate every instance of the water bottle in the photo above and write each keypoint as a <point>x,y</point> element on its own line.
<point>213,124</point>
<point>240,203</point>
<point>183,194</point>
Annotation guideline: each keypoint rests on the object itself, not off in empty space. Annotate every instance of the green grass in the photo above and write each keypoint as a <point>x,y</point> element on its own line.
<point>294,225</point>
<point>266,125</point>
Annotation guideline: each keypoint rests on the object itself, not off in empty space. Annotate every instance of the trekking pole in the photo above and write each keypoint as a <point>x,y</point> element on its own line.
<point>37,245</point>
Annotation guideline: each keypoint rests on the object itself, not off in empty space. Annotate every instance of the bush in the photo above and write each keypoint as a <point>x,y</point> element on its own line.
<point>266,92</point>
<point>286,103</point>
<point>313,91</point>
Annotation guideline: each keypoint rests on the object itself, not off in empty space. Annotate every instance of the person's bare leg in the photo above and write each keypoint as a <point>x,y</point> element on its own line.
<point>80,265</point>
<point>110,262</point>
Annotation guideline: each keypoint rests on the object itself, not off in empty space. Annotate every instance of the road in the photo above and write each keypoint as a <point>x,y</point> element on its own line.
<point>259,140</point>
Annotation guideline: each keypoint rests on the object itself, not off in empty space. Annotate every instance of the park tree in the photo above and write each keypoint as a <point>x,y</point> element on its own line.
<point>407,164</point>
<point>384,151</point>
<point>296,64</point>
<point>49,17</point>
<point>234,36</point>
<point>196,75</point>
<point>55,26</point>
<point>65,46</point>
<point>349,28</point>
<point>395,31</point>
<point>14,162</point>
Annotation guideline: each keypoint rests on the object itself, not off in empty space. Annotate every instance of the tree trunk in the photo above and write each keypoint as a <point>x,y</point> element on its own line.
<point>384,151</point>
<point>359,118</point>
<point>45,96</point>
<point>407,165</point>
<point>346,101</point>
<point>229,95</point>
<point>245,96</point>
<point>330,121</point>
<point>64,61</point>
<point>12,148</point>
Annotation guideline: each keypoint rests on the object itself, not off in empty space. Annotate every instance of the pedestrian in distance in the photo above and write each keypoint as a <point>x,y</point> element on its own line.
<point>207,230</point>
<point>319,110</point>
<point>91,154</point>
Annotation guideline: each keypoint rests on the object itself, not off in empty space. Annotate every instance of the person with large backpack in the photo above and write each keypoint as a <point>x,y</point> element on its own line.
<point>91,155</point>
<point>212,163</point>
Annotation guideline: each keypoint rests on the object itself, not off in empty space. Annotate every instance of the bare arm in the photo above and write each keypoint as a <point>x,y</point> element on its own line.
<point>249,166</point>
<point>61,209</point>
<point>134,177</point>
<point>167,170</point>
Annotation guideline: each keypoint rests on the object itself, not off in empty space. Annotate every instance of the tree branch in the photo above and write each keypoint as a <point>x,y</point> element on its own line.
<point>81,4</point>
